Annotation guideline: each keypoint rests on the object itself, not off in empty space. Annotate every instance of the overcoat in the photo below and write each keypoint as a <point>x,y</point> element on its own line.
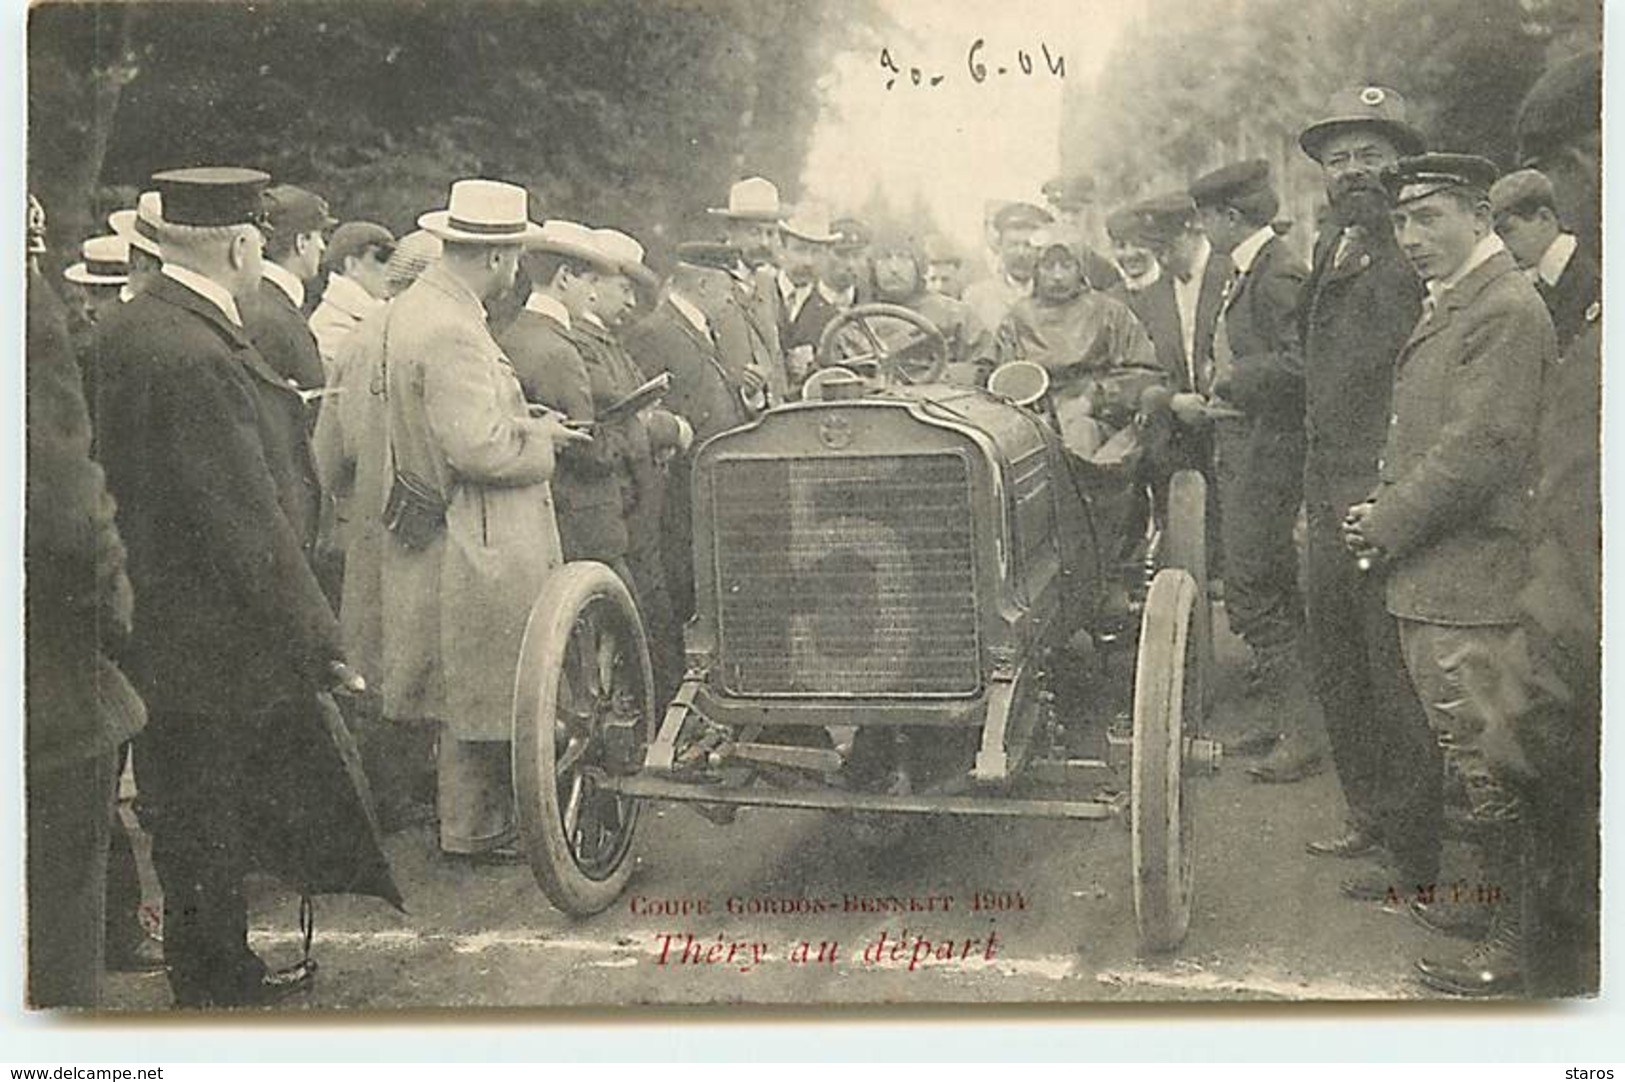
<point>280,332</point>
<point>1456,474</point>
<point>455,610</point>
<point>1573,300</point>
<point>548,360</point>
<point>287,362</point>
<point>747,331</point>
<point>703,391</point>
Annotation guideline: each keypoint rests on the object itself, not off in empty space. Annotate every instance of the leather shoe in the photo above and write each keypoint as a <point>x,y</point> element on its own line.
<point>1461,921</point>
<point>1293,759</point>
<point>1353,842</point>
<point>279,984</point>
<point>1486,970</point>
<point>1253,742</point>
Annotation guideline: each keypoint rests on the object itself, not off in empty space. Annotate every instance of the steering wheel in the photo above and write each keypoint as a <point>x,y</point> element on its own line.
<point>898,343</point>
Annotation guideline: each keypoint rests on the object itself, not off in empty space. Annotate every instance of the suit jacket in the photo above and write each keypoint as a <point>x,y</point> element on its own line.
<point>747,333</point>
<point>1578,288</point>
<point>229,616</point>
<point>550,362</point>
<point>634,438</point>
<point>77,594</point>
<point>1454,480</point>
<point>809,323</point>
<point>281,334</point>
<point>284,360</point>
<point>1260,319</point>
<point>1356,317</point>
<point>1158,310</point>
<point>704,392</point>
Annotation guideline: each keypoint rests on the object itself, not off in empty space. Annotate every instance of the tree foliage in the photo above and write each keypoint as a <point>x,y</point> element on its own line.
<point>632,112</point>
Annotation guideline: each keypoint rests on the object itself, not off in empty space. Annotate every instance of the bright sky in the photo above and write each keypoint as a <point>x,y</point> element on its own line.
<point>959,143</point>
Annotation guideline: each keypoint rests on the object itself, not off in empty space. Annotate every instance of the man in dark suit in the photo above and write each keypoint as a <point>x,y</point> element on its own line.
<point>677,337</point>
<point>807,304</point>
<point>1259,367</point>
<point>1449,514</point>
<point>232,636</point>
<point>1359,306</point>
<point>1525,209</point>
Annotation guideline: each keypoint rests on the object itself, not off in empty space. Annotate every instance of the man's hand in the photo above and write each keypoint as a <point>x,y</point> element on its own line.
<point>345,680</point>
<point>550,424</point>
<point>1190,409</point>
<point>1354,537</point>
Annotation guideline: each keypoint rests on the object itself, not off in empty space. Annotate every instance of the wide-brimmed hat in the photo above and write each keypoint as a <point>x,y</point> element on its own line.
<point>754,199</point>
<point>571,239</point>
<point>1565,102</point>
<point>810,223</point>
<point>104,261</point>
<point>483,212</point>
<point>1375,107</point>
<point>140,226</point>
<point>626,254</point>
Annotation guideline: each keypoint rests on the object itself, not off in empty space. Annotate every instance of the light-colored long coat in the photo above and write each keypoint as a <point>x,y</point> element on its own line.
<point>454,612</point>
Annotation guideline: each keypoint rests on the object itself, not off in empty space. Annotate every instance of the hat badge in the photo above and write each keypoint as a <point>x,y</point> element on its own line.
<point>1372,96</point>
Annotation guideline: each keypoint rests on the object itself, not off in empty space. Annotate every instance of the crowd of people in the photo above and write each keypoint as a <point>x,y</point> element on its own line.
<point>286,477</point>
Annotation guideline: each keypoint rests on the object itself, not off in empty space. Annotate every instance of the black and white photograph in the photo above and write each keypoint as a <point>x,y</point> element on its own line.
<point>811,503</point>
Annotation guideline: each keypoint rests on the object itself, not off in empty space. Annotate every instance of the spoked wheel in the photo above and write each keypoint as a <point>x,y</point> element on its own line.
<point>583,712</point>
<point>898,343</point>
<point>1166,693</point>
<point>1184,545</point>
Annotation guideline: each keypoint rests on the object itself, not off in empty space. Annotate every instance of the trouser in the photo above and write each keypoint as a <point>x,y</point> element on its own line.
<point>1445,663</point>
<point>122,926</point>
<point>665,635</point>
<point>1388,761</point>
<point>196,790</point>
<point>1259,469</point>
<point>1561,910</point>
<point>677,539</point>
<point>70,809</point>
<point>474,780</point>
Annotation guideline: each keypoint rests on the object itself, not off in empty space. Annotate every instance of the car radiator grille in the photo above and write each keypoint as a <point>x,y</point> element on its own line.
<point>846,576</point>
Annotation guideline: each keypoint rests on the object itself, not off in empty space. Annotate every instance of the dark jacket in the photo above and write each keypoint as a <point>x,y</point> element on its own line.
<point>1356,317</point>
<point>1578,289</point>
<point>808,325</point>
<point>285,361</point>
<point>1158,310</point>
<point>78,599</point>
<point>1454,481</point>
<point>547,358</point>
<point>703,391</point>
<point>1260,316</point>
<point>229,616</point>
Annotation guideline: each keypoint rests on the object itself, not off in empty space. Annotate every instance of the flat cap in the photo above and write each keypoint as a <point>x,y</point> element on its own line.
<point>1435,173</point>
<point>212,196</point>
<point>1522,192</point>
<point>1238,180</point>
<point>1565,102</point>
<point>1021,216</point>
<point>707,255</point>
<point>1162,217</point>
<point>1123,225</point>
<point>850,234</point>
<point>291,210</point>
<point>1070,192</point>
<point>354,238</point>
<point>1375,107</point>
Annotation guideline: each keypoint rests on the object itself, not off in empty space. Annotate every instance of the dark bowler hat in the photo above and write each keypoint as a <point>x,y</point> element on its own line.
<point>1021,216</point>
<point>707,255</point>
<point>212,195</point>
<point>1070,192</point>
<point>1163,217</point>
<point>292,210</point>
<point>1565,102</point>
<point>1374,107</point>
<point>851,235</point>
<point>1435,173</point>
<point>1228,183</point>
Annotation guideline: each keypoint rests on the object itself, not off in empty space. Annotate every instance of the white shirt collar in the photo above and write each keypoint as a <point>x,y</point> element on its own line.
<point>551,307</point>
<point>1248,250</point>
<point>592,318</point>
<point>1555,259</point>
<point>207,288</point>
<point>1487,246</point>
<point>350,296</point>
<point>846,298</point>
<point>287,281</point>
<point>690,312</point>
<point>125,293</point>
<point>1144,281</point>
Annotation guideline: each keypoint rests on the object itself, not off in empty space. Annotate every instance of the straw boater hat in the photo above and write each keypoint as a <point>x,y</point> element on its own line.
<point>626,254</point>
<point>570,239</point>
<point>140,226</point>
<point>754,199</point>
<point>105,262</point>
<point>483,212</point>
<point>810,222</point>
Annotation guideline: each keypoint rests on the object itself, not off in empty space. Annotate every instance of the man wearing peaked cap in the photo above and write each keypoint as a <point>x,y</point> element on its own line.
<point>1013,225</point>
<point>846,273</point>
<point>356,283</point>
<point>1524,206</point>
<point>1448,515</point>
<point>1360,303</point>
<point>1259,369</point>
<point>295,220</point>
<point>234,645</point>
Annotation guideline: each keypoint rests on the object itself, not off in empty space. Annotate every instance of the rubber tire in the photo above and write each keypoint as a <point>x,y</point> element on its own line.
<point>568,593</point>
<point>1184,546</point>
<point>1160,812</point>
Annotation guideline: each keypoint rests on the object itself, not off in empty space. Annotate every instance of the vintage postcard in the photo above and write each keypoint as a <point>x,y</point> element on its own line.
<point>815,502</point>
